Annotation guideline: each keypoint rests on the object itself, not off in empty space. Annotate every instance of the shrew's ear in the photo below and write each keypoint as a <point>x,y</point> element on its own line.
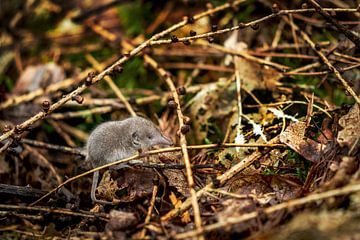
<point>135,138</point>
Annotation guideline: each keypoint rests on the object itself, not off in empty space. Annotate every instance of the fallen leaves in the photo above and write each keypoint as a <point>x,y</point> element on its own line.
<point>294,137</point>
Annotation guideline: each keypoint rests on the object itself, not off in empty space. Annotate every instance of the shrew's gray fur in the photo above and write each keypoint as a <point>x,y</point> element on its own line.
<point>115,140</point>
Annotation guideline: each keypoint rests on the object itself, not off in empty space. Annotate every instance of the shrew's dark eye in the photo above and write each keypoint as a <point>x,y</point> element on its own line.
<point>149,137</point>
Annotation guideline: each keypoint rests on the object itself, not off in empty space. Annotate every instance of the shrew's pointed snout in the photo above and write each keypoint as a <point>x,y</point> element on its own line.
<point>164,141</point>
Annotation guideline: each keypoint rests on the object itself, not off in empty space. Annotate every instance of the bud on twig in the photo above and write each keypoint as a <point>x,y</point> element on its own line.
<point>275,8</point>
<point>181,90</point>
<point>190,19</point>
<point>255,26</point>
<point>88,80</point>
<point>79,99</point>
<point>242,25</point>
<point>185,129</point>
<point>18,129</point>
<point>172,104</point>
<point>174,39</point>
<point>214,28</point>
<point>118,69</point>
<point>6,128</point>
<point>46,105</point>
<point>187,42</point>
<point>187,120</point>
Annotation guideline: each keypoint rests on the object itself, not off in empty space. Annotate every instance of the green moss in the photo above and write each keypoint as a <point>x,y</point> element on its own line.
<point>7,82</point>
<point>135,17</point>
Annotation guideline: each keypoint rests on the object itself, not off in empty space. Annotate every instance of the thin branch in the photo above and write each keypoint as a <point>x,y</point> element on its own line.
<point>222,179</point>
<point>328,64</point>
<point>153,152</point>
<point>150,209</point>
<point>92,80</point>
<point>352,188</point>
<point>183,142</point>
<point>99,67</point>
<point>349,34</point>
<point>57,211</point>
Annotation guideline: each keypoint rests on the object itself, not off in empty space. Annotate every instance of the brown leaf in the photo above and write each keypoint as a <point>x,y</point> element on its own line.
<point>256,76</point>
<point>120,220</point>
<point>177,179</point>
<point>136,183</point>
<point>351,127</point>
<point>35,77</point>
<point>294,137</point>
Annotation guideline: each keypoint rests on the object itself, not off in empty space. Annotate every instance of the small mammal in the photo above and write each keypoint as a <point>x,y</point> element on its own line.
<point>115,140</point>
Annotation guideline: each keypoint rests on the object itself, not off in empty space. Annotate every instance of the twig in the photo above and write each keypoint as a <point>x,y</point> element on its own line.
<point>174,165</point>
<point>82,113</point>
<point>20,191</point>
<point>183,142</point>
<point>12,101</point>
<point>244,25</point>
<point>349,34</point>
<point>95,11</point>
<point>99,67</point>
<point>328,64</point>
<point>285,205</point>
<point>246,56</point>
<point>153,152</point>
<point>243,164</point>
<point>64,149</point>
<point>197,66</point>
<point>6,145</point>
<point>57,211</point>
<point>63,134</point>
<point>150,209</point>
<point>43,161</point>
<point>23,126</point>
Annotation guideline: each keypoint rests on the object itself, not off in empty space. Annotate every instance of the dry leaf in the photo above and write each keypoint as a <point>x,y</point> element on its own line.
<point>177,179</point>
<point>256,76</point>
<point>294,137</point>
<point>120,220</point>
<point>351,127</point>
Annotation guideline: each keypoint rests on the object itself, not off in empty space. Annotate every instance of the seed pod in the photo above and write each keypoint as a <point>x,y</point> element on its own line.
<point>118,69</point>
<point>192,33</point>
<point>187,120</point>
<point>132,100</point>
<point>275,8</point>
<point>210,39</point>
<point>174,39</point>
<point>172,104</point>
<point>214,28</point>
<point>242,25</point>
<point>185,129</point>
<point>304,6</point>
<point>6,128</point>
<point>181,90</point>
<point>79,99</point>
<point>255,26</point>
<point>190,19</point>
<point>18,129</point>
<point>317,46</point>
<point>187,42</point>
<point>89,78</point>
<point>46,105</point>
